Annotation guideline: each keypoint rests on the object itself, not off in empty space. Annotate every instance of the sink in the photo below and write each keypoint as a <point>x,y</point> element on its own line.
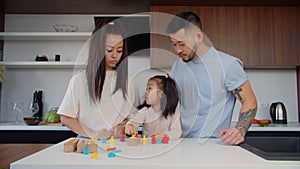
<point>273,147</point>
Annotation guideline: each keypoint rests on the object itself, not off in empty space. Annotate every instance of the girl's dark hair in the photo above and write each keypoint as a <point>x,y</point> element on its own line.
<point>169,102</point>
<point>184,20</point>
<point>96,66</point>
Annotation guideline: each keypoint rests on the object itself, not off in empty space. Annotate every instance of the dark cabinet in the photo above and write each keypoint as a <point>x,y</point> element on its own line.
<point>259,35</point>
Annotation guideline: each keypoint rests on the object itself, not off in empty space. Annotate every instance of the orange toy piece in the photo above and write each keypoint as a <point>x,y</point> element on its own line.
<point>111,148</point>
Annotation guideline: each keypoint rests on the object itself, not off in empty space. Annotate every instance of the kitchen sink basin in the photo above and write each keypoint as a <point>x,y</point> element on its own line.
<point>273,147</point>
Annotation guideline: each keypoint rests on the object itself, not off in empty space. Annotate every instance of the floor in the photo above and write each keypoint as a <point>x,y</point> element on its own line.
<point>13,152</point>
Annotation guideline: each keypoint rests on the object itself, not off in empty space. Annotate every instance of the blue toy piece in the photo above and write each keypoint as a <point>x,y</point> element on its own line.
<point>158,141</point>
<point>103,140</point>
<point>111,155</point>
<point>85,150</point>
<point>116,151</point>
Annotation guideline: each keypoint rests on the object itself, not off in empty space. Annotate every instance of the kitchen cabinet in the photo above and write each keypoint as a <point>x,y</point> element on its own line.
<point>45,133</point>
<point>258,35</point>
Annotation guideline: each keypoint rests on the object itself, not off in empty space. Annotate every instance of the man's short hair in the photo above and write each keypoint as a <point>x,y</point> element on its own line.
<point>184,20</point>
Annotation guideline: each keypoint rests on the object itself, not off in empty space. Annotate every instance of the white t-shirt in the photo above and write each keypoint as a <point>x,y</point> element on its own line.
<point>156,123</point>
<point>109,112</point>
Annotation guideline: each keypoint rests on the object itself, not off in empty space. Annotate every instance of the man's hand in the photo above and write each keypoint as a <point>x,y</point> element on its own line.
<point>232,136</point>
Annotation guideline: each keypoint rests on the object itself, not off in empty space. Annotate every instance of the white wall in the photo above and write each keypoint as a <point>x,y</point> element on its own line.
<point>268,84</point>
<point>272,85</point>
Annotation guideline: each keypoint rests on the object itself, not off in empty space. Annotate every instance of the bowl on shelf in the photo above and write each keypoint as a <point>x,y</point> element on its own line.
<point>41,58</point>
<point>32,120</point>
<point>65,28</point>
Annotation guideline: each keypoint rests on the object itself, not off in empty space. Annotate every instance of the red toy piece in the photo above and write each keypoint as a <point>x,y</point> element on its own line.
<point>165,139</point>
<point>153,139</point>
<point>122,137</point>
<point>111,148</point>
<point>136,134</point>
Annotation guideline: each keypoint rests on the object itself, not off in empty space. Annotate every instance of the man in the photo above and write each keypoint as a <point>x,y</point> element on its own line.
<point>209,82</point>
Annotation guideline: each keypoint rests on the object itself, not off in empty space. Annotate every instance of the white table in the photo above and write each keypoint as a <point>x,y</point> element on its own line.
<point>184,153</point>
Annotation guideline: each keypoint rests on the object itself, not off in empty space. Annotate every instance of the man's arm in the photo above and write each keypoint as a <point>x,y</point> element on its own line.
<point>248,110</point>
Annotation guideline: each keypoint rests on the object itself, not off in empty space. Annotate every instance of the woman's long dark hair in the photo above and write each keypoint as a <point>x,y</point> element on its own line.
<point>96,66</point>
<point>168,103</point>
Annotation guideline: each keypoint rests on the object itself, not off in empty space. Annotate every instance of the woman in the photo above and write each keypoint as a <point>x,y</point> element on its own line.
<point>99,99</point>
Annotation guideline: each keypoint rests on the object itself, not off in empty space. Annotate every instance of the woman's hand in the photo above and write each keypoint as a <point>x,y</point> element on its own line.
<point>103,134</point>
<point>130,129</point>
<point>118,130</point>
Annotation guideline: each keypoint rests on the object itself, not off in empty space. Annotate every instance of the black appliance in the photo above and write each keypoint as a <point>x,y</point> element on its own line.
<point>37,98</point>
<point>278,113</point>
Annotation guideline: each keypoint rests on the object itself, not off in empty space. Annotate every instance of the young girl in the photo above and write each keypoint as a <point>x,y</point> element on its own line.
<point>158,114</point>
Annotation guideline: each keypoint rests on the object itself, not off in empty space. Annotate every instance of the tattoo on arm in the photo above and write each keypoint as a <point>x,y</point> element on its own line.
<point>245,120</point>
<point>236,93</point>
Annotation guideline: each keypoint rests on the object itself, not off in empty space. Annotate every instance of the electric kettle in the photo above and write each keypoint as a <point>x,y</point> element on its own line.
<point>278,113</point>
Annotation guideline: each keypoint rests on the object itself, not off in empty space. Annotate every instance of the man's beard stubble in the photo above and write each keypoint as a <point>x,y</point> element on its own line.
<point>193,53</point>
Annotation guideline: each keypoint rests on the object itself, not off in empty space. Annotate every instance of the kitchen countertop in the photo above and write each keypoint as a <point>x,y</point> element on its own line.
<point>24,126</point>
<point>291,126</point>
<point>182,153</point>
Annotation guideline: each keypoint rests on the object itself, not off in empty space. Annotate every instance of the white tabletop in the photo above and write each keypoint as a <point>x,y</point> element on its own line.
<point>183,153</point>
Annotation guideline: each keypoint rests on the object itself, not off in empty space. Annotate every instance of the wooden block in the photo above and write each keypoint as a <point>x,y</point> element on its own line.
<point>92,147</point>
<point>71,145</point>
<point>81,143</point>
<point>133,141</point>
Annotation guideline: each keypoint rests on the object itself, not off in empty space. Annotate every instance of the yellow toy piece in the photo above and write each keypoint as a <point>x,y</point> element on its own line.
<point>112,141</point>
<point>144,141</point>
<point>95,155</point>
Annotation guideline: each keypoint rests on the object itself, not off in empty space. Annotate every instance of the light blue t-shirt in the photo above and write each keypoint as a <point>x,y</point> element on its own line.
<point>205,84</point>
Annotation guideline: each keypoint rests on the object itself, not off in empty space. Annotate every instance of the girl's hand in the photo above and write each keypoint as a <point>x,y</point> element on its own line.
<point>130,129</point>
<point>158,135</point>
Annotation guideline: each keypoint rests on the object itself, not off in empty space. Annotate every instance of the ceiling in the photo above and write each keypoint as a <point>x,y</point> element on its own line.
<point>118,6</point>
<point>73,6</point>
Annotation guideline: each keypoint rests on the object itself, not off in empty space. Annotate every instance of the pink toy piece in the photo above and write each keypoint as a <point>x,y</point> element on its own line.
<point>122,137</point>
<point>165,139</point>
<point>153,139</point>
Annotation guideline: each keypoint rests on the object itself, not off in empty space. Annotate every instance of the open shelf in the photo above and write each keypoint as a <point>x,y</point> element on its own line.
<point>44,36</point>
<point>41,65</point>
